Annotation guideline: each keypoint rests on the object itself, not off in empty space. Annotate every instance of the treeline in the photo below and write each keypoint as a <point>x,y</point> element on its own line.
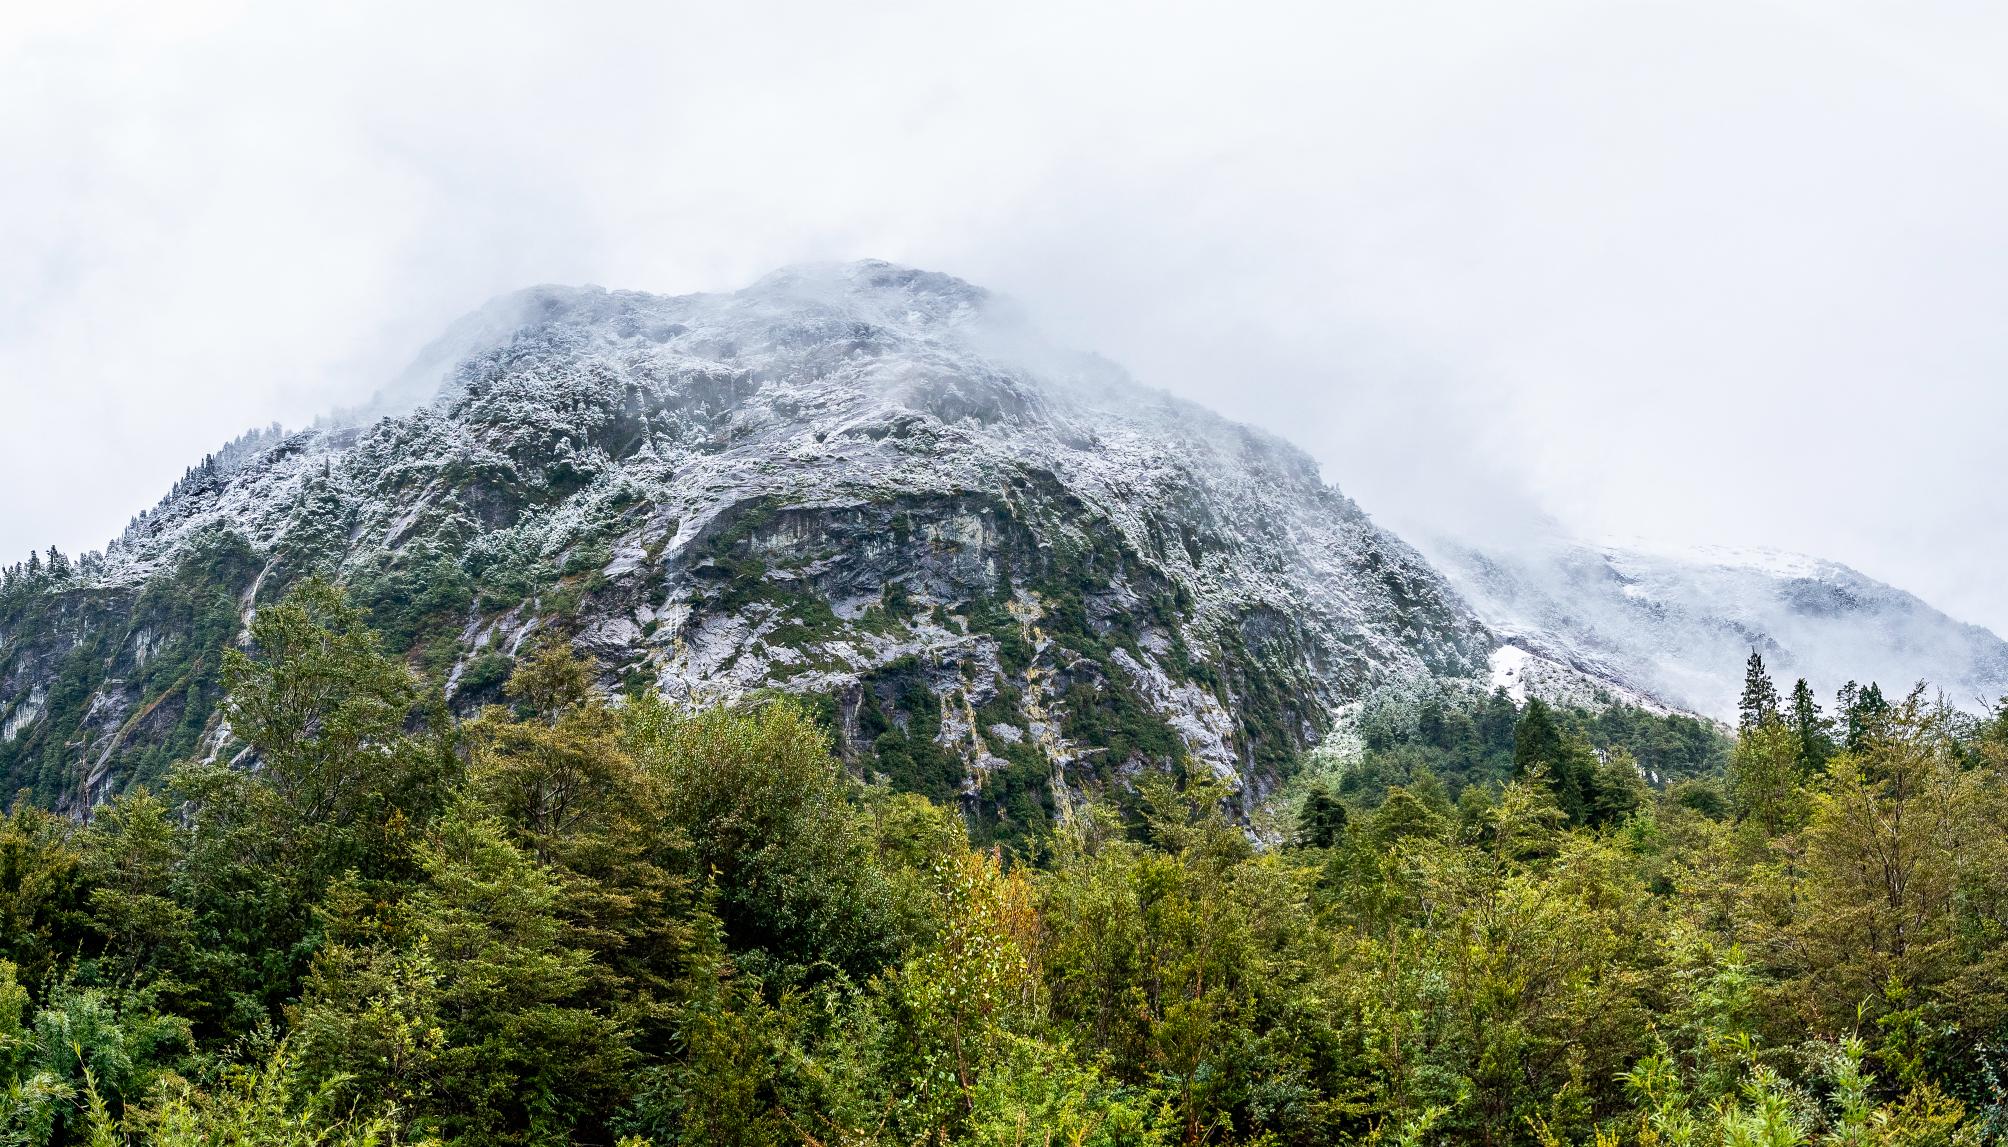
<point>1450,734</point>
<point>566,922</point>
<point>41,572</point>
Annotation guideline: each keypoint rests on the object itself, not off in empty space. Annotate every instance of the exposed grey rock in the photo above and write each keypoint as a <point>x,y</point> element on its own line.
<point>842,482</point>
<point>1003,572</point>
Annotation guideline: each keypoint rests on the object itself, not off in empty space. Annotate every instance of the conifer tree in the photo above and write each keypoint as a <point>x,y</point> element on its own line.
<point>1760,697</point>
<point>1321,823</point>
<point>1536,740</point>
<point>1860,711</point>
<point>1569,766</point>
<point>1815,731</point>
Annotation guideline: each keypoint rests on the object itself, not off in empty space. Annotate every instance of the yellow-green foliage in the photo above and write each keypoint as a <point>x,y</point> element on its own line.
<point>572,921</point>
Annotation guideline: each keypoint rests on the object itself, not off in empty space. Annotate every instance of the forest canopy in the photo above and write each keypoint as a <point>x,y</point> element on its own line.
<point>571,920</point>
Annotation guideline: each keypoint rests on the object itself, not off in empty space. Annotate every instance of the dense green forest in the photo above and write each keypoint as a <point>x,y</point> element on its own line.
<point>572,921</point>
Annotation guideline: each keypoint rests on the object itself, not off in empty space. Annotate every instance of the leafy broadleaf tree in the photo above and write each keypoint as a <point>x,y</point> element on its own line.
<point>465,1006</point>
<point>346,760</point>
<point>1900,848</point>
<point>1766,777</point>
<point>775,829</point>
<point>348,743</point>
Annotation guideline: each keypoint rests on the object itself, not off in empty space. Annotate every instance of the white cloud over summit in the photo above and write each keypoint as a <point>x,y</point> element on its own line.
<point>1706,272</point>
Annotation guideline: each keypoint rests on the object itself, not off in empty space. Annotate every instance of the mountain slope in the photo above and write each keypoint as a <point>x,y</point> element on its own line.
<point>1004,571</point>
<point>1677,626</point>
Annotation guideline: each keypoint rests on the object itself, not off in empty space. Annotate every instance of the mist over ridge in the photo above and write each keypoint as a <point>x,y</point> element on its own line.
<point>558,428</point>
<point>1671,623</point>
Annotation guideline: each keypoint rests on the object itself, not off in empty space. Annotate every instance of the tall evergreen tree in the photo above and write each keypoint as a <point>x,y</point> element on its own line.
<point>1815,731</point>
<point>1321,823</point>
<point>1536,739</point>
<point>1568,764</point>
<point>1760,697</point>
<point>1860,711</point>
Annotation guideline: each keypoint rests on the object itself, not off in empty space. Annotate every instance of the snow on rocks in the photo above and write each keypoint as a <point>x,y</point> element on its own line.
<point>809,482</point>
<point>1675,627</point>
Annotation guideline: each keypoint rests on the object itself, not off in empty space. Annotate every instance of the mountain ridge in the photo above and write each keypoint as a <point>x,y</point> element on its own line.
<point>997,564</point>
<point>1674,621</point>
<point>1003,571</point>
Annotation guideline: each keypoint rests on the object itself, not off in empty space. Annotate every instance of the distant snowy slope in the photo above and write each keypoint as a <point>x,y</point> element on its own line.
<point>1678,625</point>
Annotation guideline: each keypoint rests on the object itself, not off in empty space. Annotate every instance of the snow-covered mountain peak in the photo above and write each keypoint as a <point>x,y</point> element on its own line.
<point>888,292</point>
<point>890,299</point>
<point>1001,564</point>
<point>861,483</point>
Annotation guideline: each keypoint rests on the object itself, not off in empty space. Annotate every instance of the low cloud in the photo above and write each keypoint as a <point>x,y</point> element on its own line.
<point>1708,272</point>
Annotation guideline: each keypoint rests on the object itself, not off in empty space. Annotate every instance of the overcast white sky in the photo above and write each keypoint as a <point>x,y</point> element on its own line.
<point>1697,272</point>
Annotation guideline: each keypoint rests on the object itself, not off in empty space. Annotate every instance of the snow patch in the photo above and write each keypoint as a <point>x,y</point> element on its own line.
<point>1508,665</point>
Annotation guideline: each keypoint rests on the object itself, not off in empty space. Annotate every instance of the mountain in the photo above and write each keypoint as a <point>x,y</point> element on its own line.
<point>1004,572</point>
<point>1676,626</point>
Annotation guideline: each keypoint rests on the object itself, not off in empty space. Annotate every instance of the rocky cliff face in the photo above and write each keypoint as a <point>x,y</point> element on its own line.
<point>1005,573</point>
